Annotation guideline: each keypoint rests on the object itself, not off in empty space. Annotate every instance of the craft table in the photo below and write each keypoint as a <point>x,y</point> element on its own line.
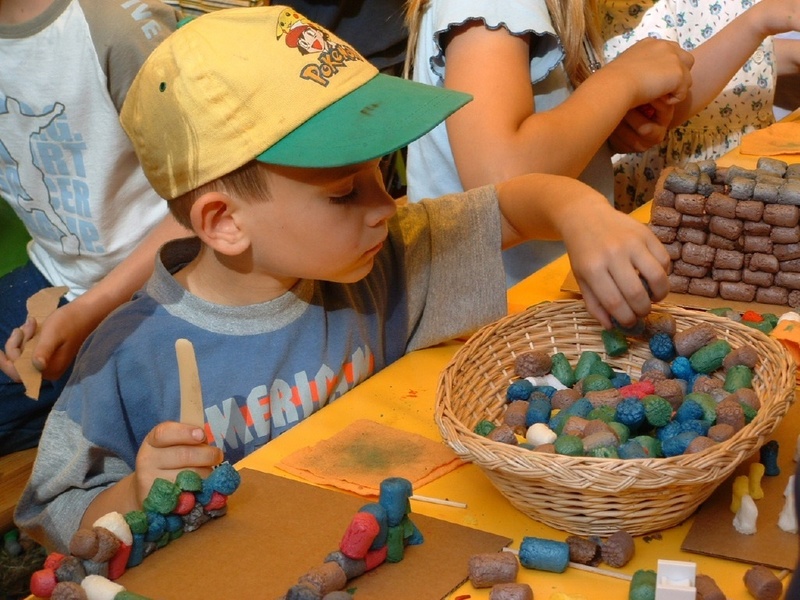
<point>403,396</point>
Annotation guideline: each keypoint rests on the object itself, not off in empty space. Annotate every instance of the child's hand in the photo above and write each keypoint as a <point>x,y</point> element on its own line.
<point>60,337</point>
<point>641,129</point>
<point>609,252</point>
<point>651,69</point>
<point>14,346</point>
<point>167,450</point>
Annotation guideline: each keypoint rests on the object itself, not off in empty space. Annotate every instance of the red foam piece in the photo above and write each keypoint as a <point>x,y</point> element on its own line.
<point>360,534</point>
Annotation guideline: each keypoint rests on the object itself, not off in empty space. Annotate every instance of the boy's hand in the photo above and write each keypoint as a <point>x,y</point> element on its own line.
<point>167,450</point>
<point>609,252</point>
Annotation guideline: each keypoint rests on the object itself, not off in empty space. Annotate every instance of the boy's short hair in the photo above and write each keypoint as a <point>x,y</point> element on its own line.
<point>248,183</point>
<point>226,88</point>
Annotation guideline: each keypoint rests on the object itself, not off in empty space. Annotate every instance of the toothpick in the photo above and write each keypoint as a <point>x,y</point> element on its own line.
<point>582,567</point>
<point>441,501</point>
<point>605,572</point>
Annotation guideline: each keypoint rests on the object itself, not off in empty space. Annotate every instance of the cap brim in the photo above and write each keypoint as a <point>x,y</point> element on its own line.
<point>381,116</point>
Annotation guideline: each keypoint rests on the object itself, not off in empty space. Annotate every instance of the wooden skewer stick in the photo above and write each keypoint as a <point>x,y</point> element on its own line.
<point>599,571</point>
<point>588,568</point>
<point>191,394</point>
<point>439,501</point>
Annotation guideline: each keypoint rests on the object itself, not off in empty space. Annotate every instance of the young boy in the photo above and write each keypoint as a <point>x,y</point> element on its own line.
<point>305,278</point>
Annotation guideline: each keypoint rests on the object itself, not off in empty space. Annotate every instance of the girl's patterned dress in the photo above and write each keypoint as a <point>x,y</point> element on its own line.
<point>744,105</point>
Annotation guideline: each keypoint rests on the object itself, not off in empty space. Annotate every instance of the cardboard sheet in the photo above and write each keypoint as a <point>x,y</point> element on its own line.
<point>712,532</point>
<point>39,306</point>
<point>276,529</point>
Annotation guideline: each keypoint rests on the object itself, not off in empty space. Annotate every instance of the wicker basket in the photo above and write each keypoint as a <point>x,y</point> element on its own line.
<point>586,495</point>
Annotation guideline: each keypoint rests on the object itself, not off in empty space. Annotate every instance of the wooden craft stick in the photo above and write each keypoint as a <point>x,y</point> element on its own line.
<point>40,306</point>
<point>438,501</point>
<point>588,568</point>
<point>191,393</point>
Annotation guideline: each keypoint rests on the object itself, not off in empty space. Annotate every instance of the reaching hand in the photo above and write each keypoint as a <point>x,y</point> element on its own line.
<point>612,254</point>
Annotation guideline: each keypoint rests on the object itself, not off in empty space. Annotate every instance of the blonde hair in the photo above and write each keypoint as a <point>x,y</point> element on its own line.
<point>576,23</point>
<point>248,182</point>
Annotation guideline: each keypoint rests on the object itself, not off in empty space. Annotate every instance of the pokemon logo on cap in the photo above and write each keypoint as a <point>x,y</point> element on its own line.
<point>266,83</point>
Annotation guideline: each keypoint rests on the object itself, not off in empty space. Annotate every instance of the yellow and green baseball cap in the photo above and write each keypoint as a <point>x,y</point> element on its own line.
<point>266,83</point>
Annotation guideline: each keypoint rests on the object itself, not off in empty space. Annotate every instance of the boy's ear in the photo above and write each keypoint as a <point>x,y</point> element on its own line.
<point>215,220</point>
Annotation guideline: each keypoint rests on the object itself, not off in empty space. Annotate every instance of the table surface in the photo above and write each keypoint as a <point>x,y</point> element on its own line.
<point>403,396</point>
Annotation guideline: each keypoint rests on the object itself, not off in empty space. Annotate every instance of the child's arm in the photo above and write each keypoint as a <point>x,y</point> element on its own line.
<point>167,450</point>
<point>499,135</point>
<point>610,252</point>
<point>67,328</point>
<point>719,58</point>
<point>787,54</point>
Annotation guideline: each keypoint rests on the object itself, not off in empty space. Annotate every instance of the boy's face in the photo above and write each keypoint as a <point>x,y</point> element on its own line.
<point>323,224</point>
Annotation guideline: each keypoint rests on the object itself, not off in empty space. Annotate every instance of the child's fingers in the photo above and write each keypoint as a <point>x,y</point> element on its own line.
<point>176,446</point>
<point>609,296</point>
<point>594,306</point>
<point>171,433</point>
<point>14,344</point>
<point>7,367</point>
<point>657,281</point>
<point>634,293</point>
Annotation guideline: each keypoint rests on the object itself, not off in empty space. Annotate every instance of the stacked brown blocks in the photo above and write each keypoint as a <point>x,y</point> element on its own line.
<point>732,233</point>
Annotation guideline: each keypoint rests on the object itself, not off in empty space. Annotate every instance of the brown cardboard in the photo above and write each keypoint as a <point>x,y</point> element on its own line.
<point>700,302</point>
<point>276,529</point>
<point>712,532</point>
<point>39,306</point>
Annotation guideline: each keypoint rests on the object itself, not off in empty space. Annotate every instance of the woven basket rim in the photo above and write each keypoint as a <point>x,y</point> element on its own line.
<point>710,465</point>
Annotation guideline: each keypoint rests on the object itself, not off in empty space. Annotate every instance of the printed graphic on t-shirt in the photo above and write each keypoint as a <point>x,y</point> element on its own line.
<point>42,173</point>
<point>241,424</point>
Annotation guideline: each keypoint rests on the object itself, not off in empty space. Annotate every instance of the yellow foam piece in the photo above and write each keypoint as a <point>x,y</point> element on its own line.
<point>741,486</point>
<point>756,473</point>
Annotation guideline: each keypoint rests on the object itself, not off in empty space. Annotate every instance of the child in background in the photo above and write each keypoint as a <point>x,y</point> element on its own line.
<point>539,105</point>
<point>375,28</point>
<point>305,277</point>
<point>70,174</point>
<point>735,68</point>
<point>787,86</point>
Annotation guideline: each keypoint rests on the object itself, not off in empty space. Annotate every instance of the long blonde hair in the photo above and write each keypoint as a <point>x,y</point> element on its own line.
<point>576,22</point>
